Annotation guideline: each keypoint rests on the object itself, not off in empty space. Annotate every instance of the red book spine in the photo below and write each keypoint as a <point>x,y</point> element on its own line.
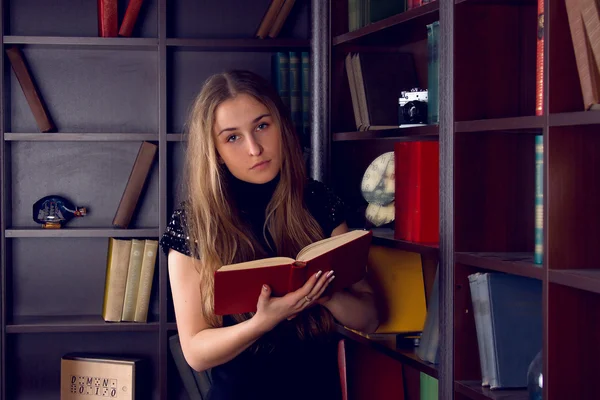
<point>131,14</point>
<point>539,65</point>
<point>107,18</point>
<point>425,221</point>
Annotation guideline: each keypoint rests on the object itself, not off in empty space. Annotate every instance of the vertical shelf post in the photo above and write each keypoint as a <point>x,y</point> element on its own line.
<point>446,138</point>
<point>320,82</point>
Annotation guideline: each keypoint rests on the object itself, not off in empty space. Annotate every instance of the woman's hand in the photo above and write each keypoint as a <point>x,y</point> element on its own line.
<point>272,310</point>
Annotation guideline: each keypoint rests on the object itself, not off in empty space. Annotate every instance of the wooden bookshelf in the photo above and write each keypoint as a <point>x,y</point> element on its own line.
<point>473,390</point>
<point>77,323</point>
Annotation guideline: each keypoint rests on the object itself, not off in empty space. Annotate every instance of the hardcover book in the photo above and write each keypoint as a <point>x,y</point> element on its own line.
<point>238,286</point>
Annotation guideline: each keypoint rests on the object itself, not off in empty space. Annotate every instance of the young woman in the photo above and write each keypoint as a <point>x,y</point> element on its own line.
<point>248,197</point>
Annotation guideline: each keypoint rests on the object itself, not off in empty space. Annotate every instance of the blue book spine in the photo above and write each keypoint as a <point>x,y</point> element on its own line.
<point>539,200</point>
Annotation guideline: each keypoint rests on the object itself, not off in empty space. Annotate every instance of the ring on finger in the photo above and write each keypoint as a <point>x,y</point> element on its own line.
<point>308,299</point>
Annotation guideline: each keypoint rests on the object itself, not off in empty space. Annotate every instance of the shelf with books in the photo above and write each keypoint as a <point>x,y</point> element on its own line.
<point>79,137</point>
<point>473,390</point>
<point>76,323</point>
<point>386,344</point>
<point>526,124</point>
<point>408,133</point>
<point>583,279</point>
<point>114,43</point>
<point>513,263</point>
<point>385,237</point>
<point>243,44</point>
<point>80,233</point>
<point>395,29</point>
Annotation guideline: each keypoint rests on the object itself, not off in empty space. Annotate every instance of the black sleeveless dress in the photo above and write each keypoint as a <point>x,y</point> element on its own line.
<point>279,365</point>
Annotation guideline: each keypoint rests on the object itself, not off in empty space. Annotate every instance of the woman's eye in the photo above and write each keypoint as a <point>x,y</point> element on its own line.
<point>262,126</point>
<point>232,138</point>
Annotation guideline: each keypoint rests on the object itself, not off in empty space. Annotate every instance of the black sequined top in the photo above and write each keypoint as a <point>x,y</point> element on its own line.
<point>279,365</point>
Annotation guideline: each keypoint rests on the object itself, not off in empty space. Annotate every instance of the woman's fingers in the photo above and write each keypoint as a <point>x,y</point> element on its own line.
<point>321,285</point>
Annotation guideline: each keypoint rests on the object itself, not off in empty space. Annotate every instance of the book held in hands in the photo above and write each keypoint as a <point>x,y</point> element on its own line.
<point>238,286</point>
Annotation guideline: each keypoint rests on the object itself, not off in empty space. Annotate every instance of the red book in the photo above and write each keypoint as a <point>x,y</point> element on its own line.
<point>131,14</point>
<point>238,286</point>
<point>107,18</point>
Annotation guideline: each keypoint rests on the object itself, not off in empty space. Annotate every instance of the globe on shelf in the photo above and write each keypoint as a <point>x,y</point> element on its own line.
<point>53,211</point>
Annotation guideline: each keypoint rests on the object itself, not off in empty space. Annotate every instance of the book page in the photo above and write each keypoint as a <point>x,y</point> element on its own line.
<point>323,246</point>
<point>265,262</point>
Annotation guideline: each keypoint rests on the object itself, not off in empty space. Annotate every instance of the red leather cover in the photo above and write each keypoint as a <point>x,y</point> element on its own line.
<point>107,18</point>
<point>237,291</point>
<point>426,219</point>
<point>131,14</point>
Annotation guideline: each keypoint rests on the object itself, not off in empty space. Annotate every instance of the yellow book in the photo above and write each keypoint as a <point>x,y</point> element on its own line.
<point>397,280</point>
<point>133,279</point>
<point>146,276</point>
<point>117,265</point>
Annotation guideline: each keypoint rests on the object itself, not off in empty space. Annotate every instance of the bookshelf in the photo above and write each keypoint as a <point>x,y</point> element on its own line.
<point>486,136</point>
<point>106,96</point>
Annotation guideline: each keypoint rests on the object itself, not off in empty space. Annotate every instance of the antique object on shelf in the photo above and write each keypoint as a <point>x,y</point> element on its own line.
<point>54,211</point>
<point>378,189</point>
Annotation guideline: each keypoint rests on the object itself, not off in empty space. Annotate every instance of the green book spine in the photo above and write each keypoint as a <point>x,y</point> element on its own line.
<point>433,73</point>
<point>295,91</point>
<point>305,63</point>
<point>281,76</point>
<point>539,200</point>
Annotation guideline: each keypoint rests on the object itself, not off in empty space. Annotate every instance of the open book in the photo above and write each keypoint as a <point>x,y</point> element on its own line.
<point>238,286</point>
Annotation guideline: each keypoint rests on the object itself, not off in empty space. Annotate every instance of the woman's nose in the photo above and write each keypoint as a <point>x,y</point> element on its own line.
<point>254,146</point>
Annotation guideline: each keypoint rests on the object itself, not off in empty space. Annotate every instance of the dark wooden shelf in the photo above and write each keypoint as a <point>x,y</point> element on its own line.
<point>417,132</point>
<point>386,344</point>
<point>114,43</point>
<point>176,137</point>
<point>513,263</point>
<point>76,323</point>
<point>575,118</point>
<point>474,390</point>
<point>80,232</point>
<point>244,44</point>
<point>533,124</point>
<point>584,279</point>
<point>80,137</point>
<point>385,237</point>
<point>392,26</point>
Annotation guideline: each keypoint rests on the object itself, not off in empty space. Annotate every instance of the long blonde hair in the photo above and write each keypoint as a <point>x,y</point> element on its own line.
<point>216,234</point>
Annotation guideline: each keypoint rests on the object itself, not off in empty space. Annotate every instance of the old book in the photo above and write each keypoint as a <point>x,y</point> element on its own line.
<point>130,17</point>
<point>238,286</point>
<point>117,265</point>
<point>146,278</point>
<point>36,104</point>
<point>108,24</point>
<point>281,17</point>
<point>269,18</point>
<point>133,279</point>
<point>586,66</point>
<point>135,184</point>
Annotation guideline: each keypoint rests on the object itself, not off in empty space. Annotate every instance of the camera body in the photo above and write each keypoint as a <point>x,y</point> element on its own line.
<point>412,107</point>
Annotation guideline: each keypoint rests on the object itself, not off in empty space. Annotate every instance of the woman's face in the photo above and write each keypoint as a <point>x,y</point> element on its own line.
<point>247,139</point>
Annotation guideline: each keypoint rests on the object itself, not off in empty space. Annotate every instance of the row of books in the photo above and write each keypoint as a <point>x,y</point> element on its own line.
<point>377,81</point>
<point>291,78</point>
<point>130,269</point>
<point>365,12</point>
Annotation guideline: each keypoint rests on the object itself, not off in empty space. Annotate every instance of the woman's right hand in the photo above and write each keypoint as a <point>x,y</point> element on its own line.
<point>270,311</point>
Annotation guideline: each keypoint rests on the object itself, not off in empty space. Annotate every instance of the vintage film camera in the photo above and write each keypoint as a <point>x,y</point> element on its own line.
<point>412,107</point>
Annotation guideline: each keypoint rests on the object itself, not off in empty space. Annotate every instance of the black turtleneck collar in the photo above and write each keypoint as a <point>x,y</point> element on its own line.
<point>251,197</point>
